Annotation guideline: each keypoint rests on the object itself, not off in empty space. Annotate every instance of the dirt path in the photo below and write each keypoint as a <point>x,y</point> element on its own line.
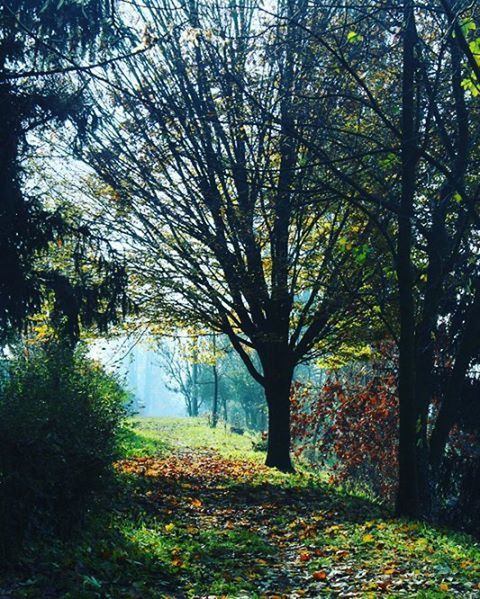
<point>277,537</point>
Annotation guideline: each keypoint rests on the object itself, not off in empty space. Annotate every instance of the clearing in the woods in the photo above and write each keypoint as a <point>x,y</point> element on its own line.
<point>197,515</point>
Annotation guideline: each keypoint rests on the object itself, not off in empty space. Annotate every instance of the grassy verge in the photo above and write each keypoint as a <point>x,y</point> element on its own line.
<point>159,435</point>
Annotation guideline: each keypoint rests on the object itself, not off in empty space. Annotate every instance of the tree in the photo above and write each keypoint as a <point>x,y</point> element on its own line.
<point>406,127</point>
<point>181,361</point>
<point>348,423</point>
<point>40,46</point>
<point>207,175</point>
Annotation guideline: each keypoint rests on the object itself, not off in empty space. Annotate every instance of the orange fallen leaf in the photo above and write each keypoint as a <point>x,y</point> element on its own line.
<point>319,575</point>
<point>304,556</point>
<point>196,503</point>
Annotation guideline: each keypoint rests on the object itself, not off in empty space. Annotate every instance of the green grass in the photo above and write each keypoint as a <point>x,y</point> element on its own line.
<point>138,441</point>
<point>203,518</point>
<point>154,435</point>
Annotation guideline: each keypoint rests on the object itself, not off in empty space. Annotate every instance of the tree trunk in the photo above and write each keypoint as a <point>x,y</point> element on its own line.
<point>224,406</point>
<point>215,383</point>
<point>408,498</point>
<point>468,344</point>
<point>277,393</point>
<point>194,408</point>
<point>215,397</point>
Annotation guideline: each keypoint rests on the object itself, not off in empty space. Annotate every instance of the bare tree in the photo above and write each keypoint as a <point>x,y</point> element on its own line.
<point>208,175</point>
<point>179,359</point>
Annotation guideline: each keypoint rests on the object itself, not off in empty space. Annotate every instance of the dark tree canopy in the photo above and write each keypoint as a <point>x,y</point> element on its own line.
<point>208,176</point>
<point>40,42</point>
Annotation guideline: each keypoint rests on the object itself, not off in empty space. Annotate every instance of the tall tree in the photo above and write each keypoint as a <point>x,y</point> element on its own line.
<point>406,124</point>
<point>209,179</point>
<point>41,43</point>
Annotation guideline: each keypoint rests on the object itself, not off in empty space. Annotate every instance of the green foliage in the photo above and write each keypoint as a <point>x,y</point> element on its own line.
<point>59,415</point>
<point>353,37</point>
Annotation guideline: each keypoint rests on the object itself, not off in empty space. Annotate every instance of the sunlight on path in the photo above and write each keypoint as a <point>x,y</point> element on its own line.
<point>237,529</point>
<point>195,514</point>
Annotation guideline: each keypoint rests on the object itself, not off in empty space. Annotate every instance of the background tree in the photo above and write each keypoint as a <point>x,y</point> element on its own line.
<point>182,362</point>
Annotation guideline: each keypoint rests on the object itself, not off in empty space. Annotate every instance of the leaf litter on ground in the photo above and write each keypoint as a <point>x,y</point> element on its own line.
<point>203,522</point>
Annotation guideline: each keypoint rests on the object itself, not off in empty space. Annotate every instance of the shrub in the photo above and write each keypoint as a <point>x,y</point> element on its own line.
<point>59,415</point>
<point>350,425</point>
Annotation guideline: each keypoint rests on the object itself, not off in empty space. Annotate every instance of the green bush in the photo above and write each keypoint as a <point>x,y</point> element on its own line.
<point>59,417</point>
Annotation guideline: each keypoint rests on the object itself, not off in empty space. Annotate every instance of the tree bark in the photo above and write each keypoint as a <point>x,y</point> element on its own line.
<point>408,497</point>
<point>277,394</point>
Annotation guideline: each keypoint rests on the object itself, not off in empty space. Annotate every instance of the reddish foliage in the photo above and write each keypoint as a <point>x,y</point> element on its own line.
<point>351,425</point>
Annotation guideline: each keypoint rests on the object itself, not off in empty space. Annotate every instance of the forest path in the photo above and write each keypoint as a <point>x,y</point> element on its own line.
<point>195,514</point>
<point>238,529</point>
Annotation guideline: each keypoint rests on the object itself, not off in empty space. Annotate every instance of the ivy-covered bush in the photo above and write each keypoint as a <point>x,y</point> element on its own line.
<point>60,413</point>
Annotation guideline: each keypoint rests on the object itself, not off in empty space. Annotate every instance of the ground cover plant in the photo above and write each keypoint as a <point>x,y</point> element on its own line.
<point>201,516</point>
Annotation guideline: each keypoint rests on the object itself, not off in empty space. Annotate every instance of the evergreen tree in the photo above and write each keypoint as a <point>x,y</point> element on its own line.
<point>43,44</point>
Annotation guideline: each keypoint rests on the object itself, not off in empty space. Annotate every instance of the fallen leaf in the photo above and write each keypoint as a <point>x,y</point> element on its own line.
<point>304,557</point>
<point>368,538</point>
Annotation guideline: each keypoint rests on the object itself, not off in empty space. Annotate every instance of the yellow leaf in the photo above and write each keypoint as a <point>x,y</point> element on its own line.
<point>169,527</point>
<point>443,586</point>
<point>332,529</point>
<point>368,538</point>
<point>262,562</point>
